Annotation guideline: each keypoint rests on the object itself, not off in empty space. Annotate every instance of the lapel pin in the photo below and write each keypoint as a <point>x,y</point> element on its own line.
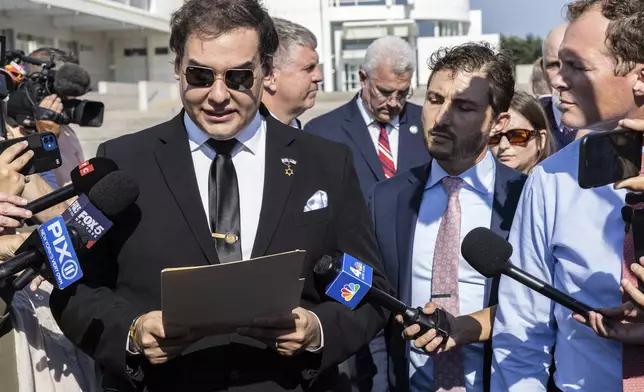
<point>289,171</point>
<point>413,129</point>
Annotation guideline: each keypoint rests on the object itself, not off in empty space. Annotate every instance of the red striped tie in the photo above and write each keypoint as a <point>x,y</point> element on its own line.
<point>384,152</point>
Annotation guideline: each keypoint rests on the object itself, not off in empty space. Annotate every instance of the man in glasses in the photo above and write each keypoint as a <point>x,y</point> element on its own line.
<point>291,88</point>
<point>422,215</point>
<point>222,182</point>
<point>380,126</point>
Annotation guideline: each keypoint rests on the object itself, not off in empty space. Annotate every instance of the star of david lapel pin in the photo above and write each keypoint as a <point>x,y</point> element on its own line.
<point>290,166</point>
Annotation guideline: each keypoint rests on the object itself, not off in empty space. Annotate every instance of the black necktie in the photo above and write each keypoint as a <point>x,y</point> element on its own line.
<point>223,195</point>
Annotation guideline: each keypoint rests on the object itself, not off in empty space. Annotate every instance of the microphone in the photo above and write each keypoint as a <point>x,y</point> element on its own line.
<point>351,282</point>
<point>86,224</point>
<point>83,177</point>
<point>489,254</point>
<point>71,80</point>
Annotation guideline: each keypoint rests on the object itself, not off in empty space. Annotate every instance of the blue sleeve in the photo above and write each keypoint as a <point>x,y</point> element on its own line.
<point>50,179</point>
<point>524,331</point>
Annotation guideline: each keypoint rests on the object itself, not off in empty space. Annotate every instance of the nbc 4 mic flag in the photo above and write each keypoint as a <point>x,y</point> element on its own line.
<point>352,283</point>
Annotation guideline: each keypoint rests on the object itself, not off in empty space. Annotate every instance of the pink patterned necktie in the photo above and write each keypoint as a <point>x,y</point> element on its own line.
<point>449,374</point>
<point>632,358</point>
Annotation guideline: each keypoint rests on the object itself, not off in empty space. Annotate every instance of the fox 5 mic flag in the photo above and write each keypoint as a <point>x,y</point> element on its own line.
<point>352,283</point>
<point>85,216</point>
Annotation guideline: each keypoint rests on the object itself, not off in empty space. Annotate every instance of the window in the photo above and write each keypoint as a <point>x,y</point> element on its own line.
<point>133,52</point>
<point>160,51</point>
<point>448,28</point>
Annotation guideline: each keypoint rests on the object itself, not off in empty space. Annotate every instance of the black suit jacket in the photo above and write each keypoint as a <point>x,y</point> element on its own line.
<point>169,228</point>
<point>394,208</point>
<point>346,125</point>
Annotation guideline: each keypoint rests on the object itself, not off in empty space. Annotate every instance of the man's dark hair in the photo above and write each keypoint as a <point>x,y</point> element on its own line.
<point>58,55</point>
<point>479,57</point>
<point>213,18</point>
<point>625,32</point>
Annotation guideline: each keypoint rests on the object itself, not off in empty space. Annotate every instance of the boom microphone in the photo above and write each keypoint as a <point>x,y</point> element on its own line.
<point>83,177</point>
<point>350,283</point>
<point>85,225</point>
<point>489,254</point>
<point>71,81</point>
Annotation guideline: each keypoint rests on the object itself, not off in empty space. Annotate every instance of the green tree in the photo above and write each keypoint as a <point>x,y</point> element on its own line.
<point>524,50</point>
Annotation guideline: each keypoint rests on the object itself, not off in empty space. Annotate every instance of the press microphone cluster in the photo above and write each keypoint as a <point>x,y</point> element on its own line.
<point>489,254</point>
<point>51,250</point>
<point>349,281</point>
<point>83,179</point>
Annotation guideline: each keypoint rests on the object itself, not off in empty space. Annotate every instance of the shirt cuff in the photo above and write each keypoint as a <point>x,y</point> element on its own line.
<point>129,347</point>
<point>317,350</point>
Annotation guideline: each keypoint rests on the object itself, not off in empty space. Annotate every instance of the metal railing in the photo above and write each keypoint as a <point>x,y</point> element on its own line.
<point>342,3</point>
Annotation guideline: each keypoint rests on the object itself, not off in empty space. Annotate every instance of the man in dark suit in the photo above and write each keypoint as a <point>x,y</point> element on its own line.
<point>422,215</point>
<point>379,125</point>
<point>291,88</point>
<point>551,65</point>
<point>221,182</point>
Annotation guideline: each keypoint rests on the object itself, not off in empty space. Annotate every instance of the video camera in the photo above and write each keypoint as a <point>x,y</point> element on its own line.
<point>26,91</point>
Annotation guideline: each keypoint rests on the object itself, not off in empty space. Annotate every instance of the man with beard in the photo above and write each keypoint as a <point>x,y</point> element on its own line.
<point>422,215</point>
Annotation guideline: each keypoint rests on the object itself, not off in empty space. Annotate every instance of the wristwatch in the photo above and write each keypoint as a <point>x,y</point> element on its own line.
<point>131,347</point>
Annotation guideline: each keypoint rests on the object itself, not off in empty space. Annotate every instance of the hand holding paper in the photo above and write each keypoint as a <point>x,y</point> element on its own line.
<point>289,334</point>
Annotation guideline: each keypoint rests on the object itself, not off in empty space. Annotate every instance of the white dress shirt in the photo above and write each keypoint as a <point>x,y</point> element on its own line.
<point>249,158</point>
<point>476,197</point>
<point>393,129</point>
<point>293,122</point>
<point>571,238</point>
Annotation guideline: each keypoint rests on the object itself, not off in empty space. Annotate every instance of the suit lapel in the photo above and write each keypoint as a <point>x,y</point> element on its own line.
<point>277,185</point>
<point>409,200</point>
<point>175,162</point>
<point>358,132</point>
<point>408,142</point>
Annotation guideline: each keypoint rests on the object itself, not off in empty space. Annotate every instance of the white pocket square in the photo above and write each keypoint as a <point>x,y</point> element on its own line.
<point>318,201</point>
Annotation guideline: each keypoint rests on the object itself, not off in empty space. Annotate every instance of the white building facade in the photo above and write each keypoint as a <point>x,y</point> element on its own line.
<point>127,40</point>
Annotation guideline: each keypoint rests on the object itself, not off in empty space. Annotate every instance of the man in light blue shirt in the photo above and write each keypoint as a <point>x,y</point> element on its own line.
<point>567,236</point>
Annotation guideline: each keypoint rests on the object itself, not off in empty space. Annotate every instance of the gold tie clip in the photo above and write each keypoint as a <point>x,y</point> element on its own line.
<point>230,238</point>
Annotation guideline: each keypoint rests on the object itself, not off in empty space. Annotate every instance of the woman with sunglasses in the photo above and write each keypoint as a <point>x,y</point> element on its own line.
<point>526,140</point>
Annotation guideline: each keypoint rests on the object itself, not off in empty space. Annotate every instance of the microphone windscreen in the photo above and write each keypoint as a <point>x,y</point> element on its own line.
<point>486,251</point>
<point>90,172</point>
<point>71,81</point>
<point>114,193</point>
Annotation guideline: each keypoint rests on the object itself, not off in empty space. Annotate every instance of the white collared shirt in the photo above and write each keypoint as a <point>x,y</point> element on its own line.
<point>249,158</point>
<point>393,129</point>
<point>476,197</point>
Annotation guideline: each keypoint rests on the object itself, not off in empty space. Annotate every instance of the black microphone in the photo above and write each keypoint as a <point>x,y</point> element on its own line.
<point>71,80</point>
<point>83,178</point>
<point>110,196</point>
<point>489,254</point>
<point>349,274</point>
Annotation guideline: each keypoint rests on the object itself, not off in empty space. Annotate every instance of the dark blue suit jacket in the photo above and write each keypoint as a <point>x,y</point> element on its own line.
<point>346,125</point>
<point>394,206</point>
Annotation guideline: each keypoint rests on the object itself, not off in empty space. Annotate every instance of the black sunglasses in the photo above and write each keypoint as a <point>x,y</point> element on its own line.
<point>515,136</point>
<point>235,79</point>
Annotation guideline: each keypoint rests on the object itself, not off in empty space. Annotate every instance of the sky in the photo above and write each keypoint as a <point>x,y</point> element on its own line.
<point>520,17</point>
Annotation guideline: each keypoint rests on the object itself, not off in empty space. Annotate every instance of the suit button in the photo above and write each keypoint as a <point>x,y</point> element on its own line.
<point>234,375</point>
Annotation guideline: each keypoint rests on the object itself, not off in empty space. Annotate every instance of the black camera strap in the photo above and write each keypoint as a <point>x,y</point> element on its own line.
<point>42,114</point>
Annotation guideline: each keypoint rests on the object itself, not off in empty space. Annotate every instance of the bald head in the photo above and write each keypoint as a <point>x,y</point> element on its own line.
<point>550,51</point>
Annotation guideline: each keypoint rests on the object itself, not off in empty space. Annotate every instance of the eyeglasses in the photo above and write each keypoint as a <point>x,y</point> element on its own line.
<point>514,136</point>
<point>385,97</point>
<point>235,79</point>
